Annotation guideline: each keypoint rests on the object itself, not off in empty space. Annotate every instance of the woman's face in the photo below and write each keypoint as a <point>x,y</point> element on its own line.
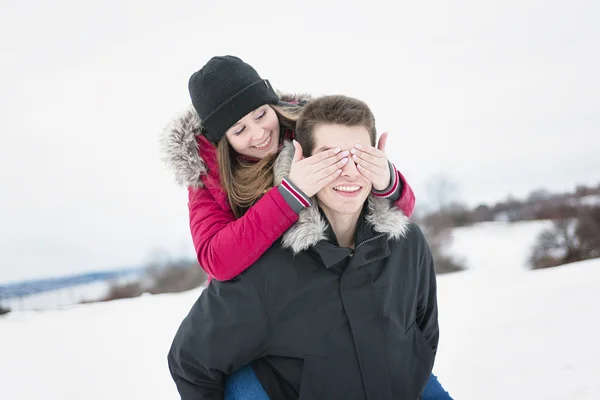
<point>257,134</point>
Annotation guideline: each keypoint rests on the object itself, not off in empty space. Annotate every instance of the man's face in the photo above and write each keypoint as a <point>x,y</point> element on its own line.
<point>346,194</point>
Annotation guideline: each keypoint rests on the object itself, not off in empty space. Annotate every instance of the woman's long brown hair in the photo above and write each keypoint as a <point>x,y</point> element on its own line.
<point>245,182</point>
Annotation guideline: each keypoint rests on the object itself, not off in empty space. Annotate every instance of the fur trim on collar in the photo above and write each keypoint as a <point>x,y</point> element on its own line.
<point>311,228</point>
<point>180,150</point>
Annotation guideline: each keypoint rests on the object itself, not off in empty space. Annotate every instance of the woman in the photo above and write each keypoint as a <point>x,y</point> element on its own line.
<point>223,150</point>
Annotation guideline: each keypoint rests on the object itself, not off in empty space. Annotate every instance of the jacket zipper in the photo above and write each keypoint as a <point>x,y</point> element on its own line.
<point>366,241</point>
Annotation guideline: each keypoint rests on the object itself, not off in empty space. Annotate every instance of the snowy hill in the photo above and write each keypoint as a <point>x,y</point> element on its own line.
<point>506,333</point>
<point>497,249</point>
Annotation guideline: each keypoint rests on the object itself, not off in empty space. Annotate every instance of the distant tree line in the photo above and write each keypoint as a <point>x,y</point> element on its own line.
<point>574,236</point>
<point>162,275</point>
<point>540,204</point>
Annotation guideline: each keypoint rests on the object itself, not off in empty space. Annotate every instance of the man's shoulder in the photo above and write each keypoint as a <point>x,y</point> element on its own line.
<point>413,237</point>
<point>415,232</point>
<point>274,258</point>
<point>410,232</point>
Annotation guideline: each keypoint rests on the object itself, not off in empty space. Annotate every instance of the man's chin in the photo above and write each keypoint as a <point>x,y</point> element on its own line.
<point>347,208</point>
<point>342,205</point>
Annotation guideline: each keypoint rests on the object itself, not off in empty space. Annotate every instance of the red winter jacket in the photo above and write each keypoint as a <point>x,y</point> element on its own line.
<point>227,246</point>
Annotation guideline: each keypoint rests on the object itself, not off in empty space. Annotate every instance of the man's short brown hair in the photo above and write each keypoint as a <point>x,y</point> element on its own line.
<point>333,110</point>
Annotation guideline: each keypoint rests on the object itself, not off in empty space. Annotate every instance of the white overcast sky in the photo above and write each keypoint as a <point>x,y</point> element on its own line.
<point>500,96</point>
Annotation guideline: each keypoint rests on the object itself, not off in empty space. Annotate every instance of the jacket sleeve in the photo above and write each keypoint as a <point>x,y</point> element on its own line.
<point>427,310</point>
<point>406,201</point>
<point>227,246</point>
<point>399,192</point>
<point>225,330</point>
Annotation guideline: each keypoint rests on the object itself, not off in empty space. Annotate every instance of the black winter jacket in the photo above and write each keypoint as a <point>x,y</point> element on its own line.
<point>319,321</point>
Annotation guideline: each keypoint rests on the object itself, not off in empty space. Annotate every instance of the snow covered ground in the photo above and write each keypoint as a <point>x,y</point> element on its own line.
<point>497,250</point>
<point>506,333</point>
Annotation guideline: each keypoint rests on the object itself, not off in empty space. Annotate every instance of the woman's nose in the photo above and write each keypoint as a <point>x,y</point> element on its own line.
<point>258,132</point>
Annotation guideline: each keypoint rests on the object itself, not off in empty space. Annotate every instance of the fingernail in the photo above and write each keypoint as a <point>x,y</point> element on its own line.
<point>358,146</point>
<point>339,171</point>
<point>345,153</point>
<point>353,151</point>
<point>355,158</point>
<point>344,160</point>
<point>336,150</point>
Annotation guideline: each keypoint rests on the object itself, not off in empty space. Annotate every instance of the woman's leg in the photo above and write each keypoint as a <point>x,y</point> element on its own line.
<point>434,390</point>
<point>244,385</point>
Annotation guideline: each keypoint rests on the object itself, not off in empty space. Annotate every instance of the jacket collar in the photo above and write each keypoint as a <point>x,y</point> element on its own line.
<point>370,246</point>
<point>380,215</point>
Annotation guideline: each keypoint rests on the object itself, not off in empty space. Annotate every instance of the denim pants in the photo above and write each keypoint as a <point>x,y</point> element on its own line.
<point>244,385</point>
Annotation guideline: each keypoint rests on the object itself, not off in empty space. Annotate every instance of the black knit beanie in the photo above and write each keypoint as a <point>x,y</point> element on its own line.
<point>224,91</point>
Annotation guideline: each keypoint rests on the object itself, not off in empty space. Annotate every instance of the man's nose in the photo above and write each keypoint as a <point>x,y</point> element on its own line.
<point>350,169</point>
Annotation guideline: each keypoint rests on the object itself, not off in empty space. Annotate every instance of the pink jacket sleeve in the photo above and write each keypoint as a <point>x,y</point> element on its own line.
<point>406,202</point>
<point>227,246</point>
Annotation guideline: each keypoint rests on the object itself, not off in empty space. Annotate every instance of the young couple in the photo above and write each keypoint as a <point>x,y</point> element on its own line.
<point>320,286</point>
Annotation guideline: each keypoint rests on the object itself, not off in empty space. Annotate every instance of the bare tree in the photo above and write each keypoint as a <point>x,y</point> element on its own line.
<point>554,245</point>
<point>569,240</point>
<point>588,233</point>
<point>4,310</point>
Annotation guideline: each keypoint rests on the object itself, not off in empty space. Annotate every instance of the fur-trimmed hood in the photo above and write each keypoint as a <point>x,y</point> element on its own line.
<point>191,158</point>
<point>189,155</point>
<point>311,228</point>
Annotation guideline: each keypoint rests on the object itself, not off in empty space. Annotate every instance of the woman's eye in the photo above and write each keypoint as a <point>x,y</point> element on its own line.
<point>262,114</point>
<point>239,130</point>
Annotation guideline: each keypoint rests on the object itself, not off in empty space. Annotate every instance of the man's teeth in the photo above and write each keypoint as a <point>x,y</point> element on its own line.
<point>264,144</point>
<point>347,188</point>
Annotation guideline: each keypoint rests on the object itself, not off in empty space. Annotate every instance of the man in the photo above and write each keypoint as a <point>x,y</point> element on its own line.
<point>343,306</point>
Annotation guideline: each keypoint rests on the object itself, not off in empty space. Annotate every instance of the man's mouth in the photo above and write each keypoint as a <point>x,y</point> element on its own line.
<point>348,190</point>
